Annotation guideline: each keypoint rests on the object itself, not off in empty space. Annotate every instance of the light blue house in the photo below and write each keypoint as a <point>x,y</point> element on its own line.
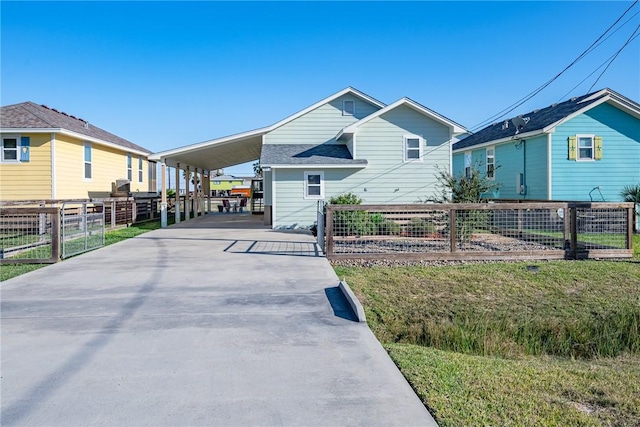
<point>586,148</point>
<point>350,142</point>
<point>347,142</point>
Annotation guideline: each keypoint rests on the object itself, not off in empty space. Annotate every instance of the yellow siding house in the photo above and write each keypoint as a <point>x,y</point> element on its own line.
<point>48,154</point>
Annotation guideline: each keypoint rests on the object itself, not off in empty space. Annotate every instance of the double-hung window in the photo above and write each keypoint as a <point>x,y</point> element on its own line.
<point>412,148</point>
<point>88,168</point>
<point>129,171</point>
<point>140,169</point>
<point>585,147</point>
<point>491,163</point>
<point>314,185</point>
<point>10,148</point>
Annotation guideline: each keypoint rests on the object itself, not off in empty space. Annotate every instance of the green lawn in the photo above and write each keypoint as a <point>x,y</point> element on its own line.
<point>502,344</point>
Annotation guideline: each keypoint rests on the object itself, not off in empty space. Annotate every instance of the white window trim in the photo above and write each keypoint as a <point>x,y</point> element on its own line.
<point>344,109</point>
<point>420,148</point>
<point>593,147</point>
<point>129,163</point>
<point>306,185</point>
<point>86,144</point>
<point>493,162</point>
<point>140,170</point>
<point>18,139</point>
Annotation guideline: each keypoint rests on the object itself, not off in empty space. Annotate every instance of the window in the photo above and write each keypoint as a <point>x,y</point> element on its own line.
<point>585,147</point>
<point>412,148</point>
<point>88,173</point>
<point>314,185</point>
<point>140,169</point>
<point>467,164</point>
<point>129,172</point>
<point>10,148</point>
<point>491,163</point>
<point>348,107</point>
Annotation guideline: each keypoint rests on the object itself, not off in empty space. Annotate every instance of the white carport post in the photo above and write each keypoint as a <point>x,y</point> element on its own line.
<point>207,179</point>
<point>201,192</point>
<point>163,197</point>
<point>196,192</point>
<point>187,201</point>
<point>178,210</point>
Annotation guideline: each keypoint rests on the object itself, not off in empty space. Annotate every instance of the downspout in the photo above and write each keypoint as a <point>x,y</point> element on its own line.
<point>549,170</point>
<point>53,166</point>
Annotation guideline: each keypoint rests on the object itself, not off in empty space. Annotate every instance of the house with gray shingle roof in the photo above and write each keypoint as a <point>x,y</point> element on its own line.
<point>49,154</point>
<point>586,148</point>
<point>352,143</point>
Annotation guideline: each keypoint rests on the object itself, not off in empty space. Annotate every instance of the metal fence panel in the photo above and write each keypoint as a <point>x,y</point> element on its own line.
<point>29,235</point>
<point>83,226</point>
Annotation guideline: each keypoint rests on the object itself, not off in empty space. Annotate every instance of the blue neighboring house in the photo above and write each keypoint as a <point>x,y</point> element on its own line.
<point>586,148</point>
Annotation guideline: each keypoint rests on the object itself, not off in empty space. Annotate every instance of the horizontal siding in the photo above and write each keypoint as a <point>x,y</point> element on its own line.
<point>109,165</point>
<point>29,180</point>
<point>620,164</point>
<point>267,188</point>
<point>510,161</point>
<point>386,180</point>
<point>321,125</point>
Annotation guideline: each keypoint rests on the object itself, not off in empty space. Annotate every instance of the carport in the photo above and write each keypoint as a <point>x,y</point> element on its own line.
<point>201,159</point>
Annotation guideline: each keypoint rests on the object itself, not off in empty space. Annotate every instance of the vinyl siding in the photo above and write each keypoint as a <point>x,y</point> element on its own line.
<point>29,180</point>
<point>321,125</point>
<point>225,185</point>
<point>620,164</point>
<point>386,180</point>
<point>510,161</point>
<point>108,164</point>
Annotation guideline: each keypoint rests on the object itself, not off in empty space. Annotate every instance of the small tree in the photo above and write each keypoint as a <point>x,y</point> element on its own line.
<point>465,188</point>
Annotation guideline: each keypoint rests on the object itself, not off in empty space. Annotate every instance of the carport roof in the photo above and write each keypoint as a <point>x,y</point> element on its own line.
<point>239,148</point>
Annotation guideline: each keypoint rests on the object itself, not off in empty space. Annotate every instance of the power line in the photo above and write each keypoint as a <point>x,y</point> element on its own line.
<point>631,37</point>
<point>543,86</point>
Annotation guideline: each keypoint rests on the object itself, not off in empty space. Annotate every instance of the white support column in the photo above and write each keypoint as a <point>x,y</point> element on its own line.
<point>163,197</point>
<point>196,193</point>
<point>187,199</point>
<point>201,192</point>
<point>208,189</point>
<point>178,210</point>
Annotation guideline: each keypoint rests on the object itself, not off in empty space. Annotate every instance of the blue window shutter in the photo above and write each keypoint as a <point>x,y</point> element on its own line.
<point>25,148</point>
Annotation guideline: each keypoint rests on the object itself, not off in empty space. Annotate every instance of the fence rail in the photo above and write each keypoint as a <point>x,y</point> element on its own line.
<point>498,231</point>
<point>29,235</point>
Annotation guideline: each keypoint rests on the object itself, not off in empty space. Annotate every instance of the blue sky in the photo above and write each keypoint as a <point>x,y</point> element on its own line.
<point>168,74</point>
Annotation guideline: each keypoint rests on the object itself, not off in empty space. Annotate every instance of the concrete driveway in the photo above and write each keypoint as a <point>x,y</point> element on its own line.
<point>216,321</point>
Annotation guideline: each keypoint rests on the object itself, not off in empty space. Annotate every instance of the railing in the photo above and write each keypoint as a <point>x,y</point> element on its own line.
<point>29,235</point>
<point>480,231</point>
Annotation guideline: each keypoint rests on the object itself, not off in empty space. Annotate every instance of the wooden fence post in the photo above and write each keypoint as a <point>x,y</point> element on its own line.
<point>55,236</point>
<point>630,221</point>
<point>329,231</point>
<point>573,213</point>
<point>113,214</point>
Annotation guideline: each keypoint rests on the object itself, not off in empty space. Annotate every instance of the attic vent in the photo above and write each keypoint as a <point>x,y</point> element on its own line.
<point>555,104</point>
<point>536,110</point>
<point>53,109</point>
<point>85,125</point>
<point>42,105</point>
<point>573,99</point>
<point>505,125</point>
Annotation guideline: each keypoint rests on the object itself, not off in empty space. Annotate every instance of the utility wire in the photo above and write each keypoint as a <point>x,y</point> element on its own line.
<point>543,86</point>
<point>631,37</point>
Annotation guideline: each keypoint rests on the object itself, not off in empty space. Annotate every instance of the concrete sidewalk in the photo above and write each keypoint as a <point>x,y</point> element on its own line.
<point>203,323</point>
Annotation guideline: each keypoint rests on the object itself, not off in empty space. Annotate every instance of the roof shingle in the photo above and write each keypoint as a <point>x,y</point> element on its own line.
<point>28,115</point>
<point>307,154</point>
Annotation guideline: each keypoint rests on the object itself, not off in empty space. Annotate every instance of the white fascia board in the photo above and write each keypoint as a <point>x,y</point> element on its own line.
<point>318,166</point>
<point>206,144</point>
<point>76,135</point>
<point>456,129</point>
<point>630,109</point>
<point>318,104</point>
<point>501,140</point>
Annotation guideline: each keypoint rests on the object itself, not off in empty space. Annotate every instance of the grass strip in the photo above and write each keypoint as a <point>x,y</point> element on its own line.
<point>465,390</point>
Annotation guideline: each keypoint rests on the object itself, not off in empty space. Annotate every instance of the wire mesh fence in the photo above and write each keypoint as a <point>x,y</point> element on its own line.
<point>29,235</point>
<point>477,231</point>
<point>83,227</point>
